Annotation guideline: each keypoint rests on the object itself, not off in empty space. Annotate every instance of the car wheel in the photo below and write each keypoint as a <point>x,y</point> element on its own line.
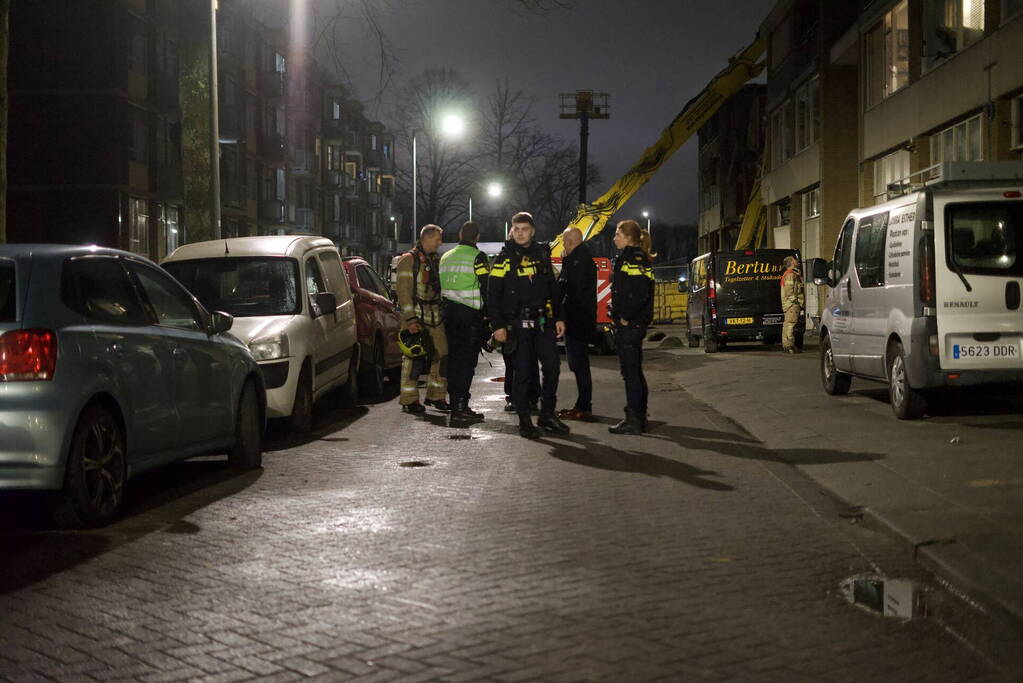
<point>96,471</point>
<point>350,390</point>
<point>907,402</point>
<point>835,383</point>
<point>247,453</point>
<point>692,339</point>
<point>710,344</point>
<point>302,411</point>
<point>372,379</point>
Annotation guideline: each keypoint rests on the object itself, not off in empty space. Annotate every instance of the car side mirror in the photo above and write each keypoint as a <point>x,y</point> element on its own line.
<point>819,272</point>
<point>220,322</point>
<point>326,302</point>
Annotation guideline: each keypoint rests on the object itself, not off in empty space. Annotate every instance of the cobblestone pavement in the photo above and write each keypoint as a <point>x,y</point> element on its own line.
<point>694,553</point>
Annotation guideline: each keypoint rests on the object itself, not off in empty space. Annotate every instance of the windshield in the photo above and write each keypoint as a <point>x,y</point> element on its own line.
<point>985,237</point>
<point>753,279</point>
<point>8,298</point>
<point>243,287</point>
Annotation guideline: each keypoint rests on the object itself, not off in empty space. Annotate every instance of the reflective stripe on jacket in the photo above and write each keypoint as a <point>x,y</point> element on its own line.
<point>459,276</point>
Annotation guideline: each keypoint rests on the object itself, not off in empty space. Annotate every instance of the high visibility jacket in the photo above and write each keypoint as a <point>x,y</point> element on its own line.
<point>463,274</point>
<point>632,287</point>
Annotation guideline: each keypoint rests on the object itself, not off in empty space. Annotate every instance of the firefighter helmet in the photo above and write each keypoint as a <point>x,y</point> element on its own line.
<point>413,345</point>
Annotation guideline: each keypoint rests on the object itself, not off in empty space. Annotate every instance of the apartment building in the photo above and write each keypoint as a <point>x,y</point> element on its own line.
<point>940,80</point>
<point>731,147</point>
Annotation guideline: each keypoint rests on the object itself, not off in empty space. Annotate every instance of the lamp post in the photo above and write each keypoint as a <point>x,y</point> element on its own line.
<point>452,126</point>
<point>646,215</point>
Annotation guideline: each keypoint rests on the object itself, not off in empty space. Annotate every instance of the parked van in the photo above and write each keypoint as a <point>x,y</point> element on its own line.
<point>925,288</point>
<point>292,306</point>
<point>736,296</point>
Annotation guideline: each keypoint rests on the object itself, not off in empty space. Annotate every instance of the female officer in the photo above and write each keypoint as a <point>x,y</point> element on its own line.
<point>632,301</point>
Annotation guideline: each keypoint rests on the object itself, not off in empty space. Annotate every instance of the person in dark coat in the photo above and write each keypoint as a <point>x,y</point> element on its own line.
<point>632,302</point>
<point>577,284</point>
<point>524,309</point>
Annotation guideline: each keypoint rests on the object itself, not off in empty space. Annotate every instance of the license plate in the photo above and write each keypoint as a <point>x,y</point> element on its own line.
<point>986,350</point>
<point>740,321</point>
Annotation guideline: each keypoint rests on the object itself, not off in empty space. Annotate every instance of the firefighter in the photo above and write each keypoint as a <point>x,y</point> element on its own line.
<point>632,298</point>
<point>419,297</point>
<point>463,281</point>
<point>791,303</point>
<point>524,308</point>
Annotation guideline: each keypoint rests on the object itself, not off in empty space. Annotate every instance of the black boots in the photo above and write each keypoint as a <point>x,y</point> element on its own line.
<point>526,428</point>
<point>552,424</point>
<point>460,410</point>
<point>414,408</point>
<point>440,404</point>
<point>632,424</point>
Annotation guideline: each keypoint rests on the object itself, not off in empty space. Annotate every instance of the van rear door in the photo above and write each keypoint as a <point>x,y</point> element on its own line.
<point>749,289</point>
<point>979,272</point>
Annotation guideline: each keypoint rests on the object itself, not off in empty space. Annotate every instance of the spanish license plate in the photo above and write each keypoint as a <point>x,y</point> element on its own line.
<point>740,321</point>
<point>986,350</point>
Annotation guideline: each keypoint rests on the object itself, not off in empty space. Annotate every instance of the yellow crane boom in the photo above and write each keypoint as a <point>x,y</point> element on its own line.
<point>591,218</point>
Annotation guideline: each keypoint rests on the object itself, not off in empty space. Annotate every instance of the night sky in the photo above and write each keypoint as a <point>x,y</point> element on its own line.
<point>652,56</point>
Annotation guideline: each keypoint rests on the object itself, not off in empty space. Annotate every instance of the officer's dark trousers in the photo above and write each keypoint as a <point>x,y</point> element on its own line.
<point>577,351</point>
<point>509,379</point>
<point>463,326</point>
<point>629,339</point>
<point>536,345</point>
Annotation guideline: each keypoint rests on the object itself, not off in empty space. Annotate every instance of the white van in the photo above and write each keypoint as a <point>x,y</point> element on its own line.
<point>925,288</point>
<point>292,306</point>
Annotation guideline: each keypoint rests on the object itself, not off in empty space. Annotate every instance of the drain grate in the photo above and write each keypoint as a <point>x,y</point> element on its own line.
<point>415,463</point>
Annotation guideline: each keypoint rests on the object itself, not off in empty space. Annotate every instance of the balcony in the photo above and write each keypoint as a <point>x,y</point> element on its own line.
<point>273,84</point>
<point>304,220</point>
<point>303,162</point>
<point>272,211</point>
<point>272,148</point>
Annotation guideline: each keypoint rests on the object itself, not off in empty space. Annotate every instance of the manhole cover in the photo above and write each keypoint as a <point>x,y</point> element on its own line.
<point>461,437</point>
<point>414,463</point>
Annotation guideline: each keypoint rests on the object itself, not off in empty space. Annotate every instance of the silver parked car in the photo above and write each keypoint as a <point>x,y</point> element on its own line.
<point>108,368</point>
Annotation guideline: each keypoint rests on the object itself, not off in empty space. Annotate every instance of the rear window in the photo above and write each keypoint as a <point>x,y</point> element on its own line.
<point>751,279</point>
<point>243,287</point>
<point>8,292</point>
<point>985,238</point>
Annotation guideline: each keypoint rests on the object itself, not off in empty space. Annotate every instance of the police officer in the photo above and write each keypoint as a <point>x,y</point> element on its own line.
<point>419,297</point>
<point>524,307</point>
<point>791,303</point>
<point>632,301</point>
<point>463,281</point>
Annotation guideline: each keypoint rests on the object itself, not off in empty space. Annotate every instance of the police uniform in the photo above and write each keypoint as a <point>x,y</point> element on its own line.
<point>522,298</point>
<point>420,301</point>
<point>463,280</point>
<point>791,303</point>
<point>632,302</point>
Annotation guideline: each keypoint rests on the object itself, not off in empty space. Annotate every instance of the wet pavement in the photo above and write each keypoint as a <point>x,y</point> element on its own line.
<point>379,548</point>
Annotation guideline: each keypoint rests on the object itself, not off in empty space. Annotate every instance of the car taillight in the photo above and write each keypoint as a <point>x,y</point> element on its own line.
<point>927,272</point>
<point>711,289</point>
<point>27,355</point>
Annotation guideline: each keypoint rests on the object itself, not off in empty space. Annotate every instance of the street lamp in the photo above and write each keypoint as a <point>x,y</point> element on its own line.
<point>452,126</point>
<point>646,215</point>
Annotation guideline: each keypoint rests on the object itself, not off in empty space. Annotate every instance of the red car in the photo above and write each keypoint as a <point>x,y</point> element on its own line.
<point>377,324</point>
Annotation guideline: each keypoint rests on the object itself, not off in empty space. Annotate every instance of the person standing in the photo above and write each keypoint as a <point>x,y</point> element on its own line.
<point>792,301</point>
<point>419,298</point>
<point>578,292</point>
<point>524,308</point>
<point>463,282</point>
<point>632,301</point>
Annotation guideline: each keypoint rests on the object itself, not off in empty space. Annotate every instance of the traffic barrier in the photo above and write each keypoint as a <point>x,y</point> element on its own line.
<point>669,303</point>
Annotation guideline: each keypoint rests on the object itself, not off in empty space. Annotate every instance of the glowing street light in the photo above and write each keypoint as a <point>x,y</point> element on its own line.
<point>494,190</point>
<point>451,126</point>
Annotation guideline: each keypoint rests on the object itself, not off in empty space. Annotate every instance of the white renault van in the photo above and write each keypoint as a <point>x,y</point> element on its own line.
<point>292,306</point>
<point>925,288</point>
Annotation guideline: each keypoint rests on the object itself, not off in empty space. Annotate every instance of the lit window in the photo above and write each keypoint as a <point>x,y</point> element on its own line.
<point>812,203</point>
<point>961,142</point>
<point>889,170</point>
<point>1017,122</point>
<point>950,26</point>
<point>887,55</point>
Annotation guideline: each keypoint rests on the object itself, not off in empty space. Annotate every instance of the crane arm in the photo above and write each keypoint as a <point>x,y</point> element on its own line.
<point>591,218</point>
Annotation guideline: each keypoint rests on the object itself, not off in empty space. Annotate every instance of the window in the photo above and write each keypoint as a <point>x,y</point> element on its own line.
<point>986,237</point>
<point>138,226</point>
<point>1017,121</point>
<point>373,142</point>
<point>337,280</point>
<point>168,304</point>
<point>890,169</point>
<point>698,274</point>
<point>843,249</point>
<point>961,142</point>
<point>887,55</point>
<point>812,203</point>
<point>98,288</point>
<point>870,241</point>
<point>365,277</point>
<point>313,278</point>
<point>950,26</point>
<point>807,116</point>
<point>387,150</point>
<point>8,291</point>
<point>778,156</point>
<point>137,149</point>
<point>335,110</point>
<point>173,226</point>
<point>243,287</point>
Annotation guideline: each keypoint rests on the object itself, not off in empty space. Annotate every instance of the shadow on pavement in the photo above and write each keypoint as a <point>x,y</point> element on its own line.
<point>944,405</point>
<point>329,416</point>
<point>158,501</point>
<point>581,450</point>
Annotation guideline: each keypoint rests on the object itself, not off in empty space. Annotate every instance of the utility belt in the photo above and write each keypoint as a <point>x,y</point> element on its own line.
<point>531,318</point>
